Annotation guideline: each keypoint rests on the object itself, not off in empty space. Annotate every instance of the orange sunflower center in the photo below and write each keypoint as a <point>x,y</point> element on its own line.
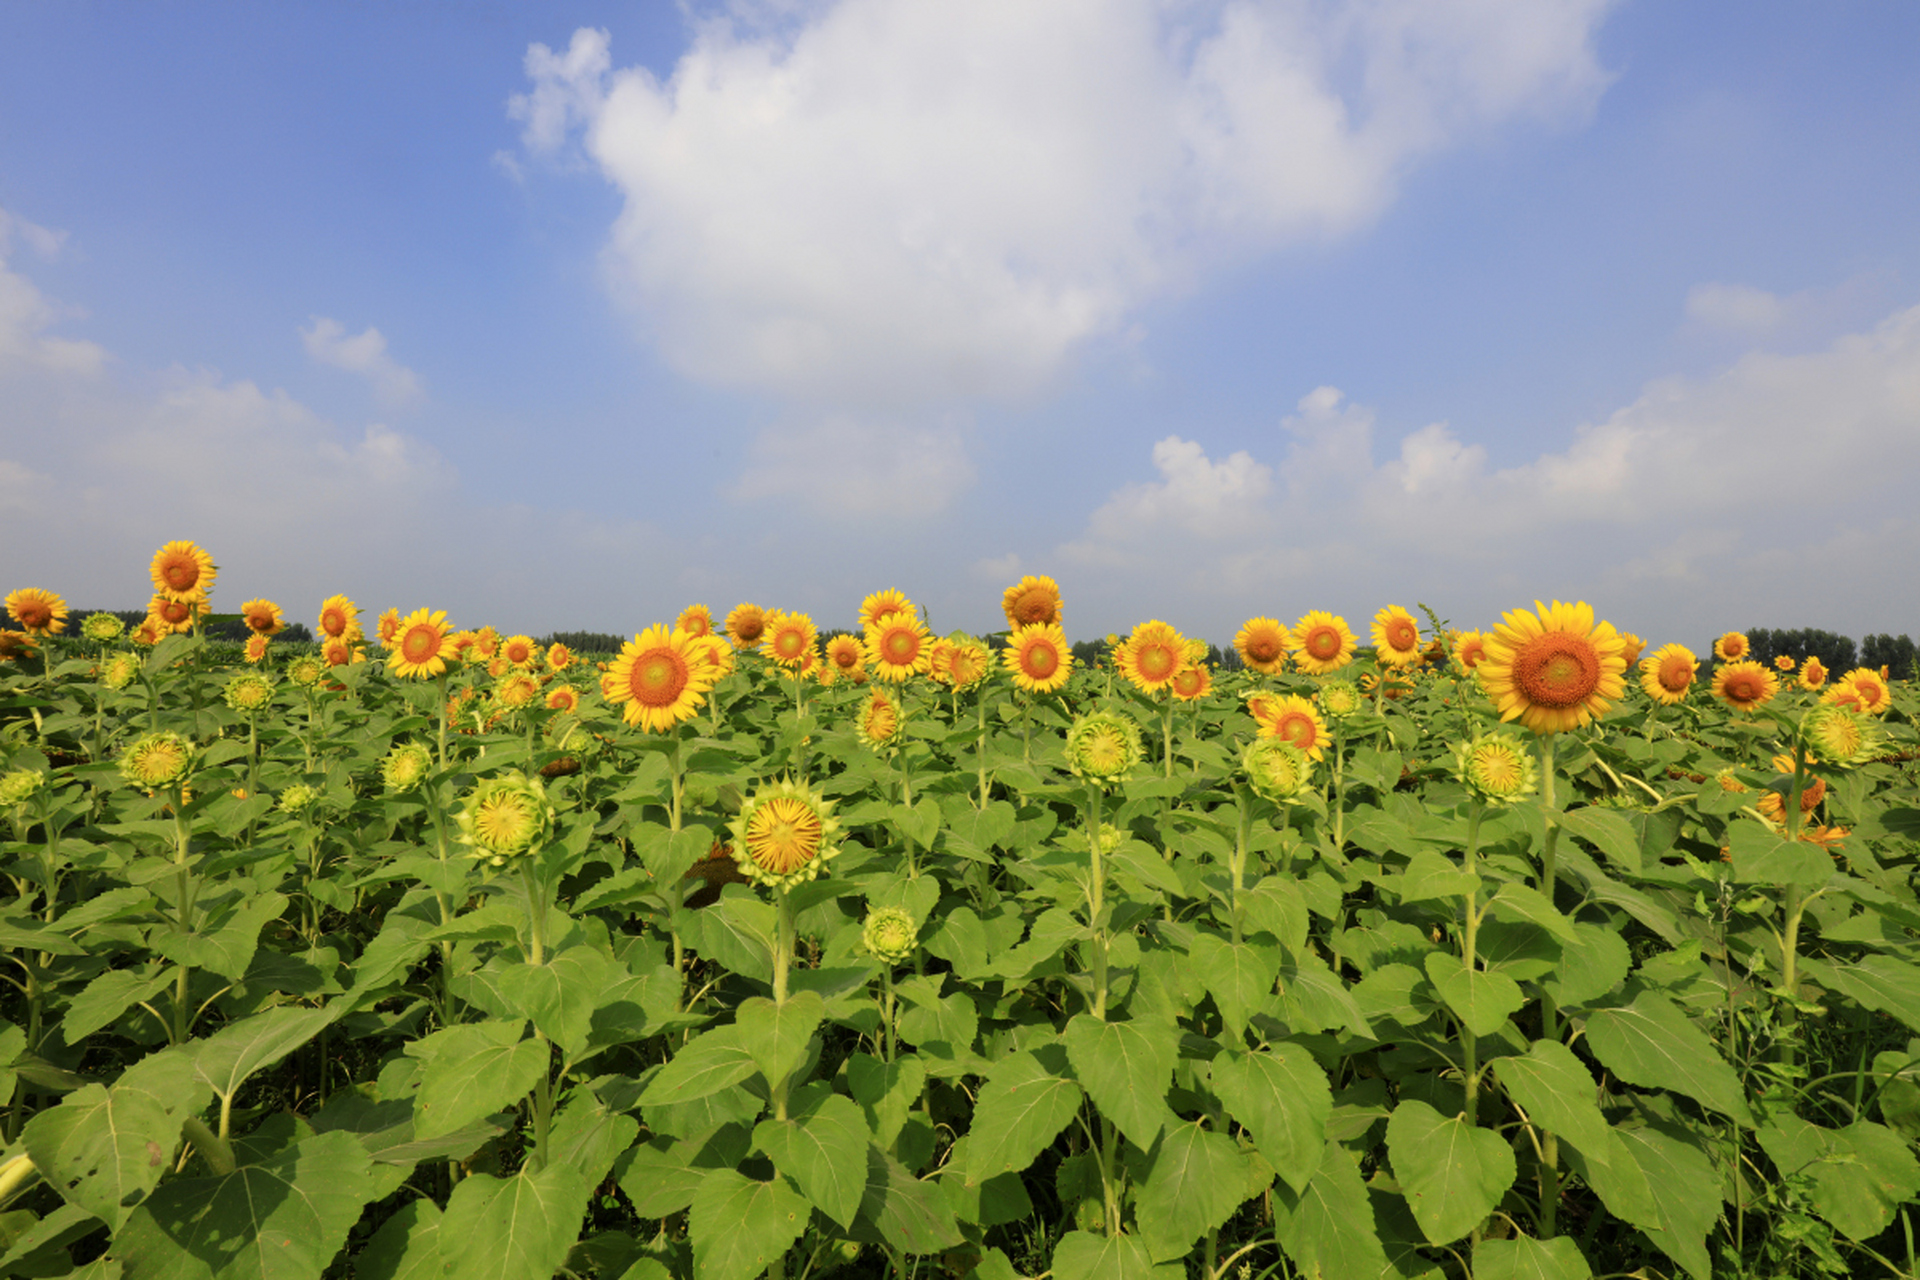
<point>1470,654</point>
<point>1745,687</point>
<point>1263,648</point>
<point>1676,673</point>
<point>788,644</point>
<point>1557,670</point>
<point>518,653</point>
<point>176,611</point>
<point>901,646</point>
<point>1323,643</point>
<point>1735,649</point>
<point>1401,634</point>
<point>33,613</point>
<point>1159,661</point>
<point>181,572</point>
<point>333,622</point>
<point>658,677</point>
<point>1039,659</point>
<point>420,644</point>
<point>846,658</point>
<point>1295,728</point>
<point>1034,605</point>
<point>783,835</point>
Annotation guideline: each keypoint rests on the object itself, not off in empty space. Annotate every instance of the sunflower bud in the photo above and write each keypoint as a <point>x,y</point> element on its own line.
<point>297,798</point>
<point>157,760</point>
<point>20,786</point>
<point>307,670</point>
<point>1340,699</point>
<point>1103,747</point>
<point>102,627</point>
<point>890,934</point>
<point>784,836</point>
<point>249,693</point>
<point>405,766</point>
<point>881,721</point>
<point>1838,735</point>
<point>505,817</point>
<point>1276,769</point>
<point>122,670</point>
<point>1496,768</point>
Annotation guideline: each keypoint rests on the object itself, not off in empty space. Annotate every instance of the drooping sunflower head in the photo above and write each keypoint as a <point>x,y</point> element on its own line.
<point>256,648</point>
<point>308,670</point>
<point>881,721</point>
<point>884,604</point>
<point>660,678</point>
<point>1813,674</point>
<point>39,613</point>
<point>898,646</point>
<point>339,617</point>
<point>519,651</point>
<point>1554,669</point>
<point>784,836</point>
<point>1321,643</point>
<point>181,570</point>
<point>695,620</point>
<point>940,661</point>
<point>159,759</point>
<point>423,645</point>
<point>789,638</point>
<point>485,645</point>
<point>122,669</point>
<point>1293,719</point>
<point>745,625</point>
<point>1038,657</point>
<point>103,628</point>
<point>504,817</point>
<point>263,617</point>
<point>249,693</point>
<point>342,653</point>
<point>970,661</point>
<point>1276,769</point>
<point>1731,647</point>
<point>1191,682</point>
<point>297,798</point>
<point>1151,656</point>
<point>1396,637</point>
<point>890,934</point>
<point>1104,747</point>
<point>1031,600</point>
<point>1340,699</point>
<point>405,767</point>
<point>1869,688</point>
<point>1262,645</point>
<point>1745,686</point>
<point>1668,672</point>
<point>515,691</point>
<point>1496,767</point>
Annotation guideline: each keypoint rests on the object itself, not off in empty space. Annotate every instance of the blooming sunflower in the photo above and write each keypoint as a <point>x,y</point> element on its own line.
<point>182,570</point>
<point>940,661</point>
<point>1667,674</point>
<point>1784,662</point>
<point>519,651</point>
<point>745,625</point>
<point>1869,688</point>
<point>1103,747</point>
<point>1469,649</point>
<point>695,620</point>
<point>1191,682</point>
<point>1039,657</point>
<point>1745,686</point>
<point>342,653</point>
<point>103,627</point>
<point>263,617</point>
<point>256,648</point>
<point>422,645</point>
<point>1151,656</point>
<point>784,835</point>
<point>844,655</point>
<point>505,817</point>
<point>1321,643</point>
<point>789,638</point>
<point>177,614</point>
<point>1813,674</point>
<point>970,663</point>
<point>1292,719</point>
<point>713,654</point>
<point>388,627</point>
<point>1633,647</point>
<point>39,613</point>
<point>483,645</point>
<point>159,759</point>
<point>559,657</point>
<point>563,698</point>
<point>1396,637</point>
<point>339,618</point>
<point>884,604</point>
<point>517,690</point>
<point>660,678</point>
<point>151,632</point>
<point>897,646</point>
<point>1554,670</point>
<point>16,645</point>
<point>1731,647</point>
<point>880,721</point>
<point>1262,645</point>
<point>1276,769</point>
<point>1031,600</point>
<point>1496,768</point>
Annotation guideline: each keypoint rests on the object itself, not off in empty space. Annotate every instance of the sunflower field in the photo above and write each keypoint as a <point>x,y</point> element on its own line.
<point>443,953</point>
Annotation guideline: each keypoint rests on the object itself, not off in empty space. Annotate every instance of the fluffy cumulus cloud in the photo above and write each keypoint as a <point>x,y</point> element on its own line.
<point>364,353</point>
<point>26,314</point>
<point>885,206</point>
<point>1769,493</point>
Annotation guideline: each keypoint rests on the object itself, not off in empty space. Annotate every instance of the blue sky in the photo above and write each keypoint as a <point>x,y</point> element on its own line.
<point>566,315</point>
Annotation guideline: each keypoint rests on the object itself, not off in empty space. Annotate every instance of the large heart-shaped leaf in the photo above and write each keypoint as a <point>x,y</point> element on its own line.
<point>1452,1173</point>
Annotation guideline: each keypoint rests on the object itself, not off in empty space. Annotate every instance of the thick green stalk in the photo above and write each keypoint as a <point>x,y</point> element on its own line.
<point>440,683</point>
<point>536,909</point>
<point>1549,1013</point>
<point>1243,827</point>
<point>1096,902</point>
<point>1339,793</point>
<point>1469,1042</point>
<point>1796,908</point>
<point>980,750</point>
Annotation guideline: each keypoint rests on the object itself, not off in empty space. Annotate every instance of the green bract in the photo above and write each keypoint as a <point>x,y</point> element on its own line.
<point>122,670</point>
<point>157,760</point>
<point>1838,735</point>
<point>297,798</point>
<point>890,934</point>
<point>1340,698</point>
<point>1498,768</point>
<point>1276,769</point>
<point>784,836</point>
<point>249,693</point>
<point>1103,747</point>
<point>505,817</point>
<point>405,766</point>
<point>20,785</point>
<point>307,671</point>
<point>102,627</point>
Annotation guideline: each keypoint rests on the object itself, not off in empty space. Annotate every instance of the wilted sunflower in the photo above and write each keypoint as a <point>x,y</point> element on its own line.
<point>1869,688</point>
<point>159,759</point>
<point>263,617</point>
<point>39,613</point>
<point>256,648</point>
<point>182,570</point>
<point>784,835</point>
<point>422,646</point>
<point>1396,637</point>
<point>1554,670</point>
<point>1292,719</point>
<point>1191,682</point>
<point>1496,768</point>
<point>897,646</point>
<point>1031,600</point>
<point>1151,656</point>
<point>249,693</point>
<point>1744,686</point>
<point>660,678</point>
<point>1276,769</point>
<point>1039,657</point>
<point>789,638</point>
<point>1731,647</point>
<point>1321,643</point>
<point>695,620</point>
<point>102,627</point>
<point>745,625</point>
<point>519,651</point>
<point>339,618</point>
<point>880,721</point>
<point>505,817</point>
<point>884,604</point>
<point>1668,673</point>
<point>1103,747</point>
<point>1262,645</point>
<point>1813,674</point>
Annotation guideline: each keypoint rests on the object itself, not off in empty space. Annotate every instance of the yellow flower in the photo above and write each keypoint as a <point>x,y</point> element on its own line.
<point>745,625</point>
<point>695,620</point>
<point>884,604</point>
<point>263,617</point>
<point>1151,656</point>
<point>182,571</point>
<point>661,677</point>
<point>256,648</point>
<point>843,654</point>
<point>422,645</point>
<point>1262,645</point>
<point>1731,647</point>
<point>1191,682</point>
<point>1633,645</point>
<point>1039,657</point>
<point>784,836</point>
<point>1745,686</point>
<point>516,691</point>
<point>122,670</point>
<point>1031,600</point>
<point>1783,662</point>
<point>339,619</point>
<point>1292,719</point>
<point>1496,768</point>
<point>1469,650</point>
<point>1321,644</point>
<point>897,646</point>
<point>880,721</point>
<point>505,817</point>
<point>388,627</point>
<point>969,663</point>
<point>789,638</point>
<point>160,759</point>
<point>1555,670</point>
<point>1869,689</point>
<point>520,651</point>
<point>1813,674</point>
<point>176,614</point>
<point>559,657</point>
<point>563,698</point>
<point>1396,637</point>
<point>39,613</point>
<point>1668,673</point>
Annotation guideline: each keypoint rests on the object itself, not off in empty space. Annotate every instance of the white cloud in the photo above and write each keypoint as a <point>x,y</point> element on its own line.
<point>364,353</point>
<point>42,240</point>
<point>1193,495</point>
<point>26,314</point>
<point>882,205</point>
<point>857,469</point>
<point>1739,307</point>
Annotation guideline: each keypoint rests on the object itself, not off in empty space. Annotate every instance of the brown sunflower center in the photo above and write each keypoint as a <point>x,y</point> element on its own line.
<point>1263,648</point>
<point>1401,634</point>
<point>1040,659</point>
<point>33,613</point>
<point>1744,687</point>
<point>1033,606</point>
<point>1557,670</point>
<point>750,629</point>
<point>420,644</point>
<point>1296,728</point>
<point>1676,673</point>
<point>333,622</point>
<point>783,835</point>
<point>1323,643</point>
<point>181,573</point>
<point>658,677</point>
<point>176,611</point>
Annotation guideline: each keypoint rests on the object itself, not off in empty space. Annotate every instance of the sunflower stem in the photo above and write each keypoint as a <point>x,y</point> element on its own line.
<point>440,682</point>
<point>980,750</point>
<point>1096,900</point>
<point>536,911</point>
<point>1469,1042</point>
<point>1166,733</point>
<point>1243,826</point>
<point>1796,906</point>
<point>1549,1013</point>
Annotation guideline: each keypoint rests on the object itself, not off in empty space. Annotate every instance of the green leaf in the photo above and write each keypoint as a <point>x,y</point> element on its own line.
<point>1025,1102</point>
<point>1482,1001</point>
<point>1327,1229</point>
<point>1126,1068</point>
<point>1558,1093</point>
<point>1081,1255</point>
<point>1194,1180</point>
<point>1278,907</point>
<point>1880,983</point>
<point>1429,876</point>
<point>776,1036</point>
<point>105,1149</point>
<point>933,1019</point>
<point>1283,1098</point>
<point>1686,1195</point>
<point>961,940</point>
<point>911,1215</point>
<point>740,1226</point>
<point>110,995</point>
<point>1608,831</point>
<point>989,1204</point>
<point>560,995</point>
<point>282,1219</point>
<point>517,1228</point>
<point>1652,1043</point>
<point>225,941</point>
<point>886,1091</point>
<point>1452,1174</point>
<point>737,932</point>
<point>472,1071</point>
<point>1592,965</point>
<point>1860,1174</point>
<point>588,1135</point>
<point>705,1065</point>
<point>1523,905</point>
<point>824,1152</point>
<point>1526,1259</point>
<point>1239,978</point>
<point>1761,857</point>
<point>226,1059</point>
<point>660,1175</point>
<point>406,1247</point>
<point>920,822</point>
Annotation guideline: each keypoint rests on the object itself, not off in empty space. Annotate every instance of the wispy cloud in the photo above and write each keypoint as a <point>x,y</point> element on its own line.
<point>364,353</point>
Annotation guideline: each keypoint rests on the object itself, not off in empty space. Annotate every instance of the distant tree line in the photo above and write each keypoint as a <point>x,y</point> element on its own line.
<point>1836,653</point>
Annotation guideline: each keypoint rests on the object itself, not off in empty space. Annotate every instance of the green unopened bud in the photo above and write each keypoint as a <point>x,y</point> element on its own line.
<point>1103,747</point>
<point>307,670</point>
<point>157,760</point>
<point>122,670</point>
<point>1340,698</point>
<point>1276,769</point>
<point>890,934</point>
<point>249,693</point>
<point>1496,767</point>
<point>405,766</point>
<point>297,798</point>
<point>20,786</point>
<point>1838,735</point>
<point>102,627</point>
<point>505,817</point>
